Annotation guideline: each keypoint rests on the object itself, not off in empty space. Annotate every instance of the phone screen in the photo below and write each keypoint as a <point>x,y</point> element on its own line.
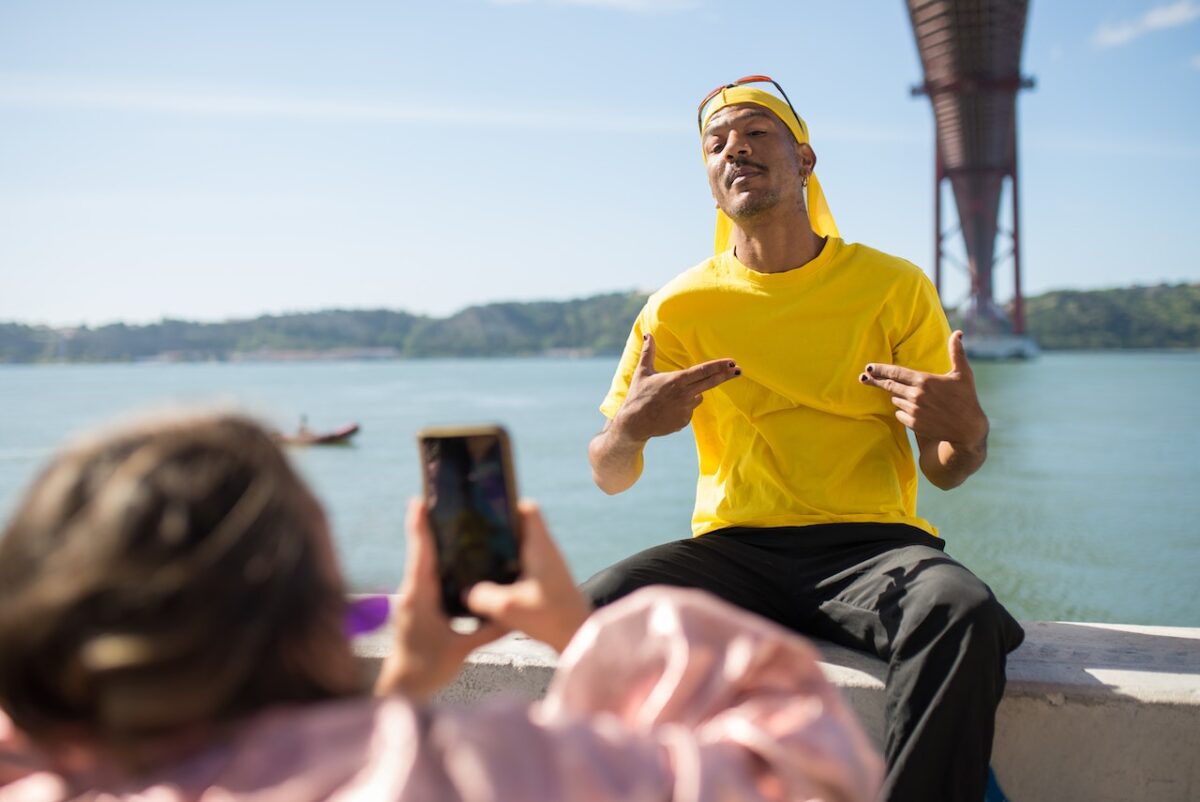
<point>469,489</point>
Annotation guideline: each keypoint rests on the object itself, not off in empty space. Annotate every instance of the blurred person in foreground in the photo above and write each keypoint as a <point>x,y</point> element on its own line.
<point>172,628</point>
<point>811,356</point>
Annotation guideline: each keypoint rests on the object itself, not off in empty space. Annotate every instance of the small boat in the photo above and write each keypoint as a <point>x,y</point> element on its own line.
<point>307,437</point>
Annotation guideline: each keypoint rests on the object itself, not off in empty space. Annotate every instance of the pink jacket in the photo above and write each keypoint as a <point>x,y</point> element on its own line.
<point>668,695</point>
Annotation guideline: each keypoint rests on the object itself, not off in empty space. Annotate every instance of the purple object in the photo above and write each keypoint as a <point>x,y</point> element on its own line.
<point>366,614</point>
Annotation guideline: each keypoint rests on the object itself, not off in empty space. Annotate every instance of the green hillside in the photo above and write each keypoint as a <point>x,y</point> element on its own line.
<point>597,325</point>
<point>1165,316</point>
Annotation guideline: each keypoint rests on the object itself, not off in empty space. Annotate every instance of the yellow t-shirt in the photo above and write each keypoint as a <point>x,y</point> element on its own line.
<point>797,439</point>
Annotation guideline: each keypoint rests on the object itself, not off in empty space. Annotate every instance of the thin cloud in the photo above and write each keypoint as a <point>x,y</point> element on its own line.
<point>25,92</point>
<point>17,93</point>
<point>1158,18</point>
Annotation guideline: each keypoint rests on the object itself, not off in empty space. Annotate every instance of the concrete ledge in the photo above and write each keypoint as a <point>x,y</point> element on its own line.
<point>516,665</point>
<point>1096,712</point>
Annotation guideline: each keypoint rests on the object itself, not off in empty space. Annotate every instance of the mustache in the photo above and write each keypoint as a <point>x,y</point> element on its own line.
<point>737,164</point>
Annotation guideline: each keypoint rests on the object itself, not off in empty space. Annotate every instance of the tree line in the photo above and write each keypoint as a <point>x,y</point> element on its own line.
<point>596,325</point>
<point>1164,316</point>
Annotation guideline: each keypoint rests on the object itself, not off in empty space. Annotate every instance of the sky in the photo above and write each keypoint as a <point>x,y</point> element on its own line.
<point>230,158</point>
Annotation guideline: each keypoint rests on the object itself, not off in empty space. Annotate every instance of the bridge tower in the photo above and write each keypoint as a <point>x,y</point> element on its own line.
<point>970,52</point>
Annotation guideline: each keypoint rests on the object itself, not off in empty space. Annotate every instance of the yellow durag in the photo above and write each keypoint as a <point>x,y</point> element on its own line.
<point>818,210</point>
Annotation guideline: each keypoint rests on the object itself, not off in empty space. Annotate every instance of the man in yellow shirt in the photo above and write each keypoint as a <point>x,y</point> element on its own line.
<point>799,360</point>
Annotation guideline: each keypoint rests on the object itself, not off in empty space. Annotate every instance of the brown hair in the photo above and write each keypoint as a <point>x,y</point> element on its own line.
<point>164,576</point>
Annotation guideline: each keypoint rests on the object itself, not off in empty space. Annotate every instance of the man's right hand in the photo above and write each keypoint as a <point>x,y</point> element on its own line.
<point>662,403</point>
<point>656,404</point>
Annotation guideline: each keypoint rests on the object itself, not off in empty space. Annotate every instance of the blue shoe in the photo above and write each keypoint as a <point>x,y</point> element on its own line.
<point>993,793</point>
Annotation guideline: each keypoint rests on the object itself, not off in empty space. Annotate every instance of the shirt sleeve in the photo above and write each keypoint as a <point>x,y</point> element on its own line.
<point>624,375</point>
<point>923,343</point>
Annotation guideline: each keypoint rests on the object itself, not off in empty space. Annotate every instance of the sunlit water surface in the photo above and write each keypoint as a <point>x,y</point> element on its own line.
<point>1086,509</point>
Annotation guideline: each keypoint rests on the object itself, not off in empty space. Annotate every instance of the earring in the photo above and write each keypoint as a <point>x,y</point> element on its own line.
<point>804,183</point>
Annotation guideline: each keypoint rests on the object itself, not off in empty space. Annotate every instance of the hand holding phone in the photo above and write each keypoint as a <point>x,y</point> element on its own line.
<point>428,651</point>
<point>544,603</point>
<point>470,490</point>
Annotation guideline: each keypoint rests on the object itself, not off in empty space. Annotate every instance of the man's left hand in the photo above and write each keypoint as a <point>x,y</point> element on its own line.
<point>937,407</point>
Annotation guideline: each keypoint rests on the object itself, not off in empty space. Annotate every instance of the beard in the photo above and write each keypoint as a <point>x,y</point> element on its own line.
<point>753,204</point>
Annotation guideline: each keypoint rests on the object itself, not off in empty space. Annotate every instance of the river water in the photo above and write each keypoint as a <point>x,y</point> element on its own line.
<point>1087,510</point>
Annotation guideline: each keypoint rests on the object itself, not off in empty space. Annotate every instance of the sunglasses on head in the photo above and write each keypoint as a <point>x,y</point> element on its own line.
<point>749,79</point>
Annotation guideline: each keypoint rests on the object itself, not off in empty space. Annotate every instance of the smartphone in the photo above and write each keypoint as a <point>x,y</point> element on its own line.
<point>471,491</point>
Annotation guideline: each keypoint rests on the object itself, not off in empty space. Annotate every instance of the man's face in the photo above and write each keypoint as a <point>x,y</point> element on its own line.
<point>753,161</point>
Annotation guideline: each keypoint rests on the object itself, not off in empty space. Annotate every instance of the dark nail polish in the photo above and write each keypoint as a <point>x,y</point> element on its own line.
<point>870,368</point>
<point>737,372</point>
<point>644,336</point>
<point>733,364</point>
<point>862,377</point>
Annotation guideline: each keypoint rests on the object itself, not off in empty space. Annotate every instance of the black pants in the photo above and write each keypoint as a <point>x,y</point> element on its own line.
<point>885,589</point>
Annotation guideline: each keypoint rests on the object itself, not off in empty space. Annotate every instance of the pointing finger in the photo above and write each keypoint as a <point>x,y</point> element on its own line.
<point>894,372</point>
<point>708,375</point>
<point>958,355</point>
<point>889,385</point>
<point>645,364</point>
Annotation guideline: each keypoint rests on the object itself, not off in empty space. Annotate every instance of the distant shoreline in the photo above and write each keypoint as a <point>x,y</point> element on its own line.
<point>322,358</point>
<point>1159,318</point>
